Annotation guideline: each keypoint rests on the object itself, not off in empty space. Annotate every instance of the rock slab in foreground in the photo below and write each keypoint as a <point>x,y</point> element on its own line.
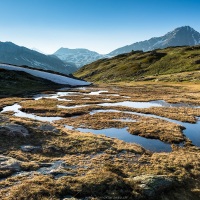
<point>8,163</point>
<point>150,185</point>
<point>13,130</point>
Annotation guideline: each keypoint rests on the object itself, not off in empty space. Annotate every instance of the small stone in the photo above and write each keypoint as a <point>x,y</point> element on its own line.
<point>30,148</point>
<point>70,198</point>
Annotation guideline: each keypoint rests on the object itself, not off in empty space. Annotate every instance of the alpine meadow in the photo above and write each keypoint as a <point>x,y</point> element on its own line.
<point>100,100</point>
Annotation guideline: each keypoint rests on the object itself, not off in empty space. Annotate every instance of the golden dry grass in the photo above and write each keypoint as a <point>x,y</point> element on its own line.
<point>101,166</point>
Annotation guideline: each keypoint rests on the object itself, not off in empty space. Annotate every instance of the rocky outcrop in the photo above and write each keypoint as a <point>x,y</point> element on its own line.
<point>8,163</point>
<point>150,185</point>
<point>47,127</point>
<point>57,169</point>
<point>13,130</point>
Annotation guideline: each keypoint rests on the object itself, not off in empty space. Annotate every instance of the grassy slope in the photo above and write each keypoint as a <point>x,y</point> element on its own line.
<point>13,83</point>
<point>139,66</point>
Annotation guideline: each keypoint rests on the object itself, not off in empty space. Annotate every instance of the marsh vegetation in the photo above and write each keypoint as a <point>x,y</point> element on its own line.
<point>84,154</point>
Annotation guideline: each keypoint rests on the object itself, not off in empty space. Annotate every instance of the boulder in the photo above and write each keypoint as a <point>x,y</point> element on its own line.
<point>8,163</point>
<point>13,130</point>
<point>47,127</point>
<point>150,185</point>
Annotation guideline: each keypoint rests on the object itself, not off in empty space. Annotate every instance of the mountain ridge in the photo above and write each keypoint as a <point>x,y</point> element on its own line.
<point>66,60</point>
<point>181,36</point>
<point>78,56</point>
<point>19,55</point>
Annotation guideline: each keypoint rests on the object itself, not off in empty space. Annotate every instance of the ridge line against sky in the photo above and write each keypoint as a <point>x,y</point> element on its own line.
<point>98,25</point>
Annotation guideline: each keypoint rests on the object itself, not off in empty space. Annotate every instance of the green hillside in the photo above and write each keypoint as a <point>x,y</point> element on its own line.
<point>162,64</point>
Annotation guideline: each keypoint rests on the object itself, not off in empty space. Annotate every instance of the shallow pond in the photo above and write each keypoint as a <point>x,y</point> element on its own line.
<point>157,103</point>
<point>56,95</point>
<point>18,113</point>
<point>191,131</point>
<point>123,134</point>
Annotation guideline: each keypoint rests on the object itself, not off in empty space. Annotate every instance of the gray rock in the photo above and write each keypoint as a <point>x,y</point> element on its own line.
<point>57,169</point>
<point>8,163</point>
<point>74,198</point>
<point>47,127</point>
<point>70,198</point>
<point>13,130</point>
<point>150,185</point>
<point>30,148</point>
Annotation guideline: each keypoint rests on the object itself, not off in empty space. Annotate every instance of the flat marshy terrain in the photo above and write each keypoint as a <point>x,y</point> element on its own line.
<point>127,141</point>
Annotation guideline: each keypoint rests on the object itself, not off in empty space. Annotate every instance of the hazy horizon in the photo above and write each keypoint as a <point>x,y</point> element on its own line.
<point>100,26</point>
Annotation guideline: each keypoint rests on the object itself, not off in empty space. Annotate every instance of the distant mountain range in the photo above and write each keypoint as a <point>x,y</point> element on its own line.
<point>13,54</point>
<point>182,36</point>
<point>79,57</point>
<point>67,61</point>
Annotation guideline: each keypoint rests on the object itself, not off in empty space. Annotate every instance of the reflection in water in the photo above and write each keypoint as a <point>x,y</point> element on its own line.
<point>132,104</point>
<point>191,131</point>
<point>123,134</point>
<point>158,103</point>
<point>165,104</point>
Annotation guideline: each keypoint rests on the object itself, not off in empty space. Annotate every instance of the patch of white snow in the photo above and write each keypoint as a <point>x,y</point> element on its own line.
<point>46,75</point>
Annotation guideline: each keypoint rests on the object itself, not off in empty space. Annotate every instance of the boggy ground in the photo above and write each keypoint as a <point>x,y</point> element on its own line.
<point>61,163</point>
<point>144,126</point>
<point>94,166</point>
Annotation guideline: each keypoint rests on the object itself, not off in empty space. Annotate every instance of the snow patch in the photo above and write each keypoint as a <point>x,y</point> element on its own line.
<point>46,75</point>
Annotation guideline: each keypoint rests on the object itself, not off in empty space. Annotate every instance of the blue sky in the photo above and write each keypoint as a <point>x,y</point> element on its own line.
<point>99,25</point>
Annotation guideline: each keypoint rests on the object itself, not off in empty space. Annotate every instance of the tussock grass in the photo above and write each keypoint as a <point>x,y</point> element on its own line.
<point>100,166</point>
